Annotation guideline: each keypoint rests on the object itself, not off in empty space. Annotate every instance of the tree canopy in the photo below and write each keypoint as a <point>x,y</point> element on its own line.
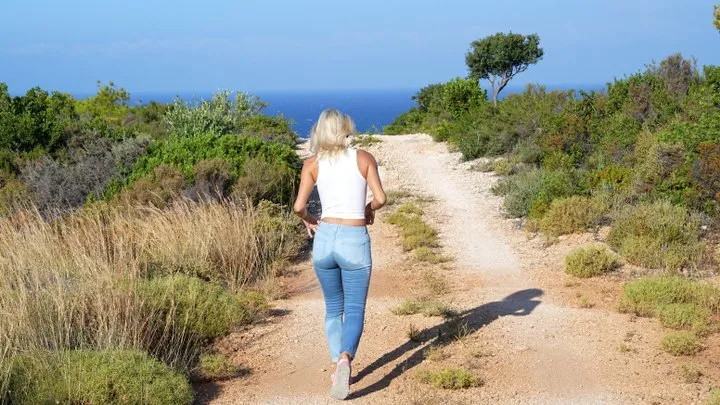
<point>500,57</point>
<point>716,16</point>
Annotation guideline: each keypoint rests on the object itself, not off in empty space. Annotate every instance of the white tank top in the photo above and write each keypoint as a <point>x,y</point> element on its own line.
<point>341,186</point>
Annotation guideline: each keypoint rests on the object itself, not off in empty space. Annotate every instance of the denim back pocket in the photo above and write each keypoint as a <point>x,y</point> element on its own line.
<point>353,251</point>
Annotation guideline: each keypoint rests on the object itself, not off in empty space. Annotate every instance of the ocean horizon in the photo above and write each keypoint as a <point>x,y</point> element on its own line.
<point>370,109</point>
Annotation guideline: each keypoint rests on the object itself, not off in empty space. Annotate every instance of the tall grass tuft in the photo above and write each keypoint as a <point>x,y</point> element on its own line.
<point>94,280</point>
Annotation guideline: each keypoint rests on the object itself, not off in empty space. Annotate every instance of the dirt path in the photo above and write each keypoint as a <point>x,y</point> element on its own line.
<point>523,332</point>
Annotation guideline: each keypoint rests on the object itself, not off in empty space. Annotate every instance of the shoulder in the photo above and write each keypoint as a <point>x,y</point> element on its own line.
<point>310,162</point>
<point>366,157</point>
<point>310,165</point>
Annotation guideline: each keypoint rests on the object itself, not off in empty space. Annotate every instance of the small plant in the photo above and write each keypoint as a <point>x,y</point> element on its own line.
<point>571,214</point>
<point>686,316</point>
<point>365,140</point>
<point>449,378</point>
<point>625,348</point>
<point>215,367</point>
<point>435,353</point>
<point>586,303</point>
<point>95,377</point>
<point>414,232</point>
<point>410,209</point>
<point>714,398</point>
<point>426,307</point>
<point>484,166</point>
<point>413,334</point>
<point>690,373</point>
<point>659,235</point>
<point>502,167</point>
<point>589,261</point>
<point>435,284</point>
<point>427,255</point>
<point>681,343</point>
<point>644,296</point>
<point>395,196</point>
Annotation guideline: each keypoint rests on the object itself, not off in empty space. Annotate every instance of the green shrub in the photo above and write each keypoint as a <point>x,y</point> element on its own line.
<point>414,232</point>
<point>531,192</point>
<point>425,254</point>
<point>95,377</point>
<point>571,214</point>
<point>590,261</point>
<point>406,123</point>
<point>410,209</point>
<point>681,343</point>
<point>157,188</point>
<point>714,398</point>
<point>644,296</point>
<point>449,379</point>
<point>218,116</point>
<point>683,315</point>
<point>527,151</point>
<point>201,309</point>
<point>185,153</point>
<point>690,373</point>
<point>215,367</point>
<point>659,235</point>
<point>427,307</point>
<point>271,129</point>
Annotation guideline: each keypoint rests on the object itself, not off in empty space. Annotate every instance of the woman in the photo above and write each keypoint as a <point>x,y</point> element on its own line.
<point>341,245</point>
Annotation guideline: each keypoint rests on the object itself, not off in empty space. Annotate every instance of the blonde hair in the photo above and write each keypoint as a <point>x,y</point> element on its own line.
<point>328,137</point>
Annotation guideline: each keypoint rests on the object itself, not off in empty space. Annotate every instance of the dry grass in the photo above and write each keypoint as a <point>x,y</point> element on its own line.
<point>449,378</point>
<point>70,284</point>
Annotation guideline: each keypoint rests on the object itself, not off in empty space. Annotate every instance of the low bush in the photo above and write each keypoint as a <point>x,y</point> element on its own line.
<point>531,192</point>
<point>690,373</point>
<point>204,310</point>
<point>714,398</point>
<point>571,214</point>
<point>659,235</point>
<point>427,307</point>
<point>414,232</point>
<point>681,343</point>
<point>365,140</point>
<point>687,316</point>
<point>215,367</point>
<point>449,378</point>
<point>95,377</point>
<point>410,209</point>
<point>590,261</point>
<point>271,129</point>
<point>425,254</point>
<point>157,189</point>
<point>236,150</point>
<point>643,297</point>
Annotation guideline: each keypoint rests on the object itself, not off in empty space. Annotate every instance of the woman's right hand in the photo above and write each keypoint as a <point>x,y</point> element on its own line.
<point>369,214</point>
<point>311,225</point>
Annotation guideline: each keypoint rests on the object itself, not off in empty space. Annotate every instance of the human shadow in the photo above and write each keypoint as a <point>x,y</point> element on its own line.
<point>520,303</point>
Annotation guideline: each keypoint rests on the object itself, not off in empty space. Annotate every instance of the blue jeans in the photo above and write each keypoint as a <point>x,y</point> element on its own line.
<point>342,261</point>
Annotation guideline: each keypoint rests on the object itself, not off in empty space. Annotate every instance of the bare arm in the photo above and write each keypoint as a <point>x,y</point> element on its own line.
<point>307,182</point>
<point>373,179</point>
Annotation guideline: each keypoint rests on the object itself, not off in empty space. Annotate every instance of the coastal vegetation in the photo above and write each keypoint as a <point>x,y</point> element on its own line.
<point>637,163</point>
<point>134,236</point>
<point>641,156</point>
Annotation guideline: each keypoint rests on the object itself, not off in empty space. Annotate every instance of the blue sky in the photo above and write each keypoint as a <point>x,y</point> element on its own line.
<point>265,45</point>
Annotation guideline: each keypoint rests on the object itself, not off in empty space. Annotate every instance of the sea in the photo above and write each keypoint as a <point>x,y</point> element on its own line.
<point>371,110</point>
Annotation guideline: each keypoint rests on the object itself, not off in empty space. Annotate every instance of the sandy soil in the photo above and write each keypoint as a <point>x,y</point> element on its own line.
<point>533,334</point>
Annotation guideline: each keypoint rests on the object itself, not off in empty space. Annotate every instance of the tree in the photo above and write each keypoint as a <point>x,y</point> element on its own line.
<point>716,14</point>
<point>500,57</point>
